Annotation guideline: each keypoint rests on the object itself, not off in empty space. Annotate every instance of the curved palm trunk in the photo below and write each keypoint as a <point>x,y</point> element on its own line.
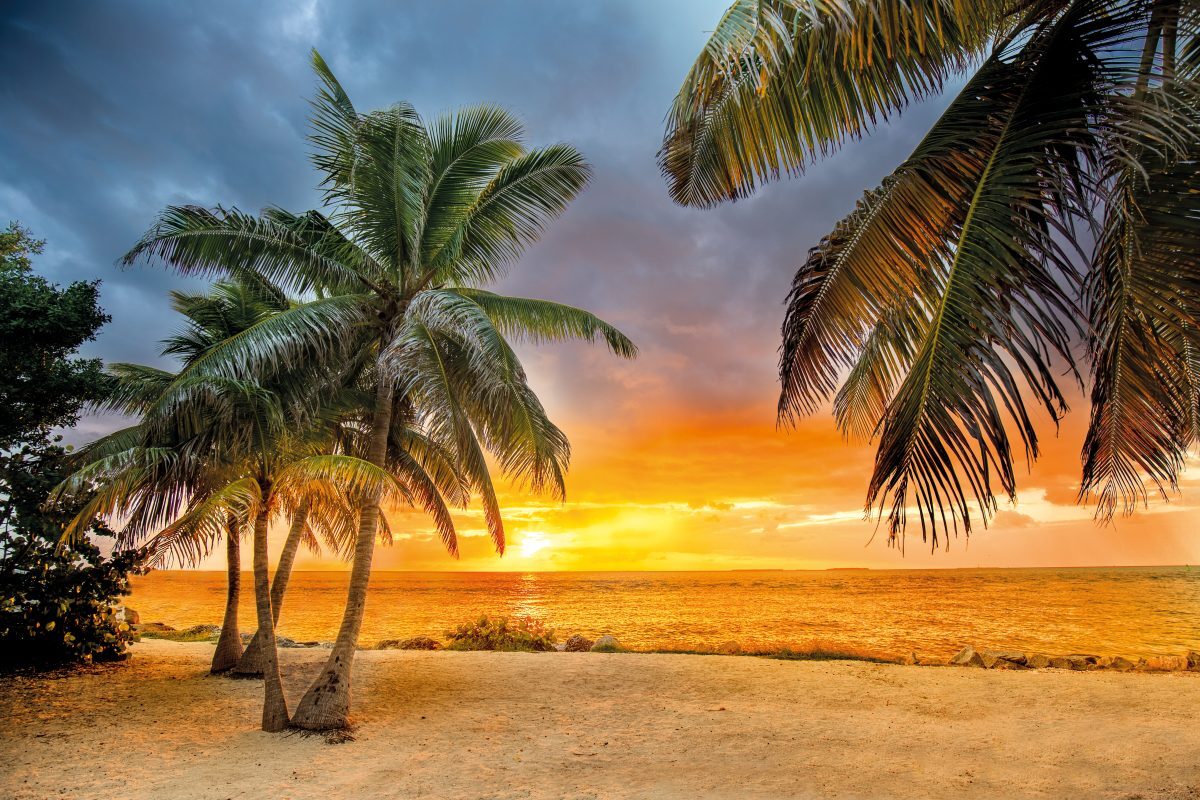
<point>275,714</point>
<point>229,645</point>
<point>326,704</point>
<point>250,665</point>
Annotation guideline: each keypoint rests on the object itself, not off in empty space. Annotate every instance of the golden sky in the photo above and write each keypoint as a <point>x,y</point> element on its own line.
<point>657,485</point>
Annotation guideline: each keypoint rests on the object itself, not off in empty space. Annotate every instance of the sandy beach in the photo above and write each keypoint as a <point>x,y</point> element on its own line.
<point>525,725</point>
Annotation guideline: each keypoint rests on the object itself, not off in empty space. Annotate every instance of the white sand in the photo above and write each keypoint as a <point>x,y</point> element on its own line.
<point>565,725</point>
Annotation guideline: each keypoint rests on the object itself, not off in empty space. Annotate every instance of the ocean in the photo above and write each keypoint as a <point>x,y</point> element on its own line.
<point>1134,612</point>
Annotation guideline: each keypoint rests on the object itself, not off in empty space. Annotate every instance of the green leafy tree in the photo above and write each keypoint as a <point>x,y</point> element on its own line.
<point>1054,200</point>
<point>421,216</point>
<point>41,327</point>
<point>56,602</point>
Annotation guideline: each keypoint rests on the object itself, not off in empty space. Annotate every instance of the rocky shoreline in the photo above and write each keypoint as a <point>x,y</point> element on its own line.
<point>578,643</point>
<point>1078,662</point>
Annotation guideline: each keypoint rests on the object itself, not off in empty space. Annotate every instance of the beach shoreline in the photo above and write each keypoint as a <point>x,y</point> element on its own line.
<point>590,725</point>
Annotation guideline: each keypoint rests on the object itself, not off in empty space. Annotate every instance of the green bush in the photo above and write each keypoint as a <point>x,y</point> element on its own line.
<point>56,603</point>
<point>521,634</point>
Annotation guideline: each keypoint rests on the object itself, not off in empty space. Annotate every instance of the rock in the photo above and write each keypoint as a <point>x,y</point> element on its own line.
<point>1082,662</point>
<point>1037,661</point>
<point>132,616</point>
<point>200,632</point>
<point>1004,663</point>
<point>578,643</point>
<point>1193,660</point>
<point>606,644</point>
<point>154,627</point>
<point>1060,662</point>
<point>910,660</point>
<point>730,649</point>
<point>413,643</point>
<point>1120,664</point>
<point>1002,659</point>
<point>967,657</point>
<point>560,647</point>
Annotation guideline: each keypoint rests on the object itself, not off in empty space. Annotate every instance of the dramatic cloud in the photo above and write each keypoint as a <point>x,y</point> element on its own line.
<point>113,110</point>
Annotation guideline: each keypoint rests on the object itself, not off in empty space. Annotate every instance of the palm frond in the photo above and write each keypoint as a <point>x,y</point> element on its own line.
<point>1143,303</point>
<point>508,215</point>
<point>782,81</point>
<point>193,535</point>
<point>540,321</point>
<point>304,253</point>
<point>1000,313</point>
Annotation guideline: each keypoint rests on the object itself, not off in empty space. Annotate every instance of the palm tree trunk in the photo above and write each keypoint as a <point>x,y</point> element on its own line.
<point>326,704</point>
<point>275,714</point>
<point>250,665</point>
<point>229,645</point>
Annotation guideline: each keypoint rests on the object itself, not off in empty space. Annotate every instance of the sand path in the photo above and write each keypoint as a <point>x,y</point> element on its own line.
<point>517,725</point>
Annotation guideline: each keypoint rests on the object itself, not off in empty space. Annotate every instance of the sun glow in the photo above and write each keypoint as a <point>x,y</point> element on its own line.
<point>532,542</point>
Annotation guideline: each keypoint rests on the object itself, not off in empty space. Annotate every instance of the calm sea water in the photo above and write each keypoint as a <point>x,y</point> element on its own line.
<point>1129,611</point>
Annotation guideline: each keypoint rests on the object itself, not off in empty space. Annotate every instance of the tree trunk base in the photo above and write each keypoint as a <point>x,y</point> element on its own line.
<point>229,651</point>
<point>326,704</point>
<point>250,665</point>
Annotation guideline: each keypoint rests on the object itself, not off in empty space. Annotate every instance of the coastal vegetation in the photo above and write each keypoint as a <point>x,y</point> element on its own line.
<point>521,634</point>
<point>1053,202</point>
<point>56,602</point>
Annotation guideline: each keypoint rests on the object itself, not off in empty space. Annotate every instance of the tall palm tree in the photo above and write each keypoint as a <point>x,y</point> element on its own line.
<point>284,475</point>
<point>1055,199</point>
<point>224,311</point>
<point>272,468</point>
<point>420,217</point>
<point>414,458</point>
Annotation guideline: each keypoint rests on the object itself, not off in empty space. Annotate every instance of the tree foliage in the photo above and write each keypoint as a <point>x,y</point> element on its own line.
<point>1054,201</point>
<point>56,602</point>
<point>41,327</point>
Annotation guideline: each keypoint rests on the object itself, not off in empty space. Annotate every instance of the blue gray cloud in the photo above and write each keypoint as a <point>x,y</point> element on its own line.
<point>113,110</point>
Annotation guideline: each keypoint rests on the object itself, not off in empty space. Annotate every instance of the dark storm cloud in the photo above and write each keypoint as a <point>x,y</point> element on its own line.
<point>111,111</point>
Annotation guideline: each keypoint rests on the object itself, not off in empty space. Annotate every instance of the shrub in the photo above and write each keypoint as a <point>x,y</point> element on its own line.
<point>196,633</point>
<point>414,643</point>
<point>521,634</point>
<point>56,602</point>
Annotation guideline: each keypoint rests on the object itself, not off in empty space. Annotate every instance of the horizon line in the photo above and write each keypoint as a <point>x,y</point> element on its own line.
<point>730,570</point>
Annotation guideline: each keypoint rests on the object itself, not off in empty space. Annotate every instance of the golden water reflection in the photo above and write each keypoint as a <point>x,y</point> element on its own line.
<point>1140,611</point>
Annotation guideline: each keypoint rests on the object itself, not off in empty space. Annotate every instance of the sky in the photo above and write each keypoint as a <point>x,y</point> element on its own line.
<point>109,112</point>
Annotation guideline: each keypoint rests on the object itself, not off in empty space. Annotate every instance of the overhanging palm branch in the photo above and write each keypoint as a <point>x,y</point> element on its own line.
<point>950,298</point>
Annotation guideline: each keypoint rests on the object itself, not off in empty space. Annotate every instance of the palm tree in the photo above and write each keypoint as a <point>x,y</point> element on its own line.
<point>1056,198</point>
<point>414,458</point>
<point>420,217</point>
<point>283,476</point>
<point>269,471</point>
<point>146,474</point>
<point>225,310</point>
